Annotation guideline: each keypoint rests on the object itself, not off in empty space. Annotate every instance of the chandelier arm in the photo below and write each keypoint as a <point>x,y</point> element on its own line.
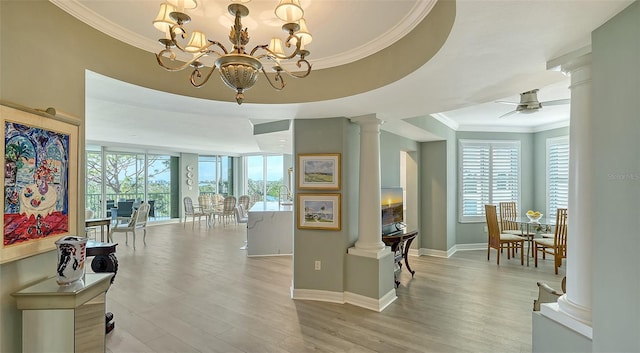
<point>277,78</point>
<point>299,64</point>
<point>196,74</point>
<point>172,56</point>
<point>271,54</point>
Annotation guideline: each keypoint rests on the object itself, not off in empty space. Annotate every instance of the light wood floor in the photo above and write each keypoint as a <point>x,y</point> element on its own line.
<point>196,291</point>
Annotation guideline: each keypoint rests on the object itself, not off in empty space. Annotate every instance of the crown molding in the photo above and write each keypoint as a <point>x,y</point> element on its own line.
<point>420,10</point>
<point>450,123</point>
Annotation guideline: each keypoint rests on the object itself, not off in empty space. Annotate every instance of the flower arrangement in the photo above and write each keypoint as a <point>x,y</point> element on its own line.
<point>44,172</point>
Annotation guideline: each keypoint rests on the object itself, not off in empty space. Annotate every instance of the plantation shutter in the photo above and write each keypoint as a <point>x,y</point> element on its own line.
<point>489,174</point>
<point>557,175</point>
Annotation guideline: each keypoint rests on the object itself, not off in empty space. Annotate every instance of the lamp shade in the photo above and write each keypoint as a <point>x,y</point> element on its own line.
<point>289,11</point>
<point>197,41</point>
<point>183,4</point>
<point>303,33</point>
<point>275,45</point>
<point>163,22</point>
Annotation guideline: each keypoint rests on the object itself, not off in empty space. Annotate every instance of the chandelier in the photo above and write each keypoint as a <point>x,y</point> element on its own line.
<point>238,69</point>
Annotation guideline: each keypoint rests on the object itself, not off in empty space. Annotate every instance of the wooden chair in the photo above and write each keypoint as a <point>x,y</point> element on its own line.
<point>498,240</point>
<point>138,221</point>
<point>191,211</point>
<point>509,212</point>
<point>556,246</point>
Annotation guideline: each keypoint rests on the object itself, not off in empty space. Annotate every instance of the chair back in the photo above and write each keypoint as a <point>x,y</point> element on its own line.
<point>125,208</point>
<point>245,201</point>
<point>492,226</point>
<point>204,201</point>
<point>241,215</point>
<point>560,236</point>
<point>217,199</point>
<point>229,204</point>
<point>188,206</point>
<point>140,216</point>
<point>508,212</point>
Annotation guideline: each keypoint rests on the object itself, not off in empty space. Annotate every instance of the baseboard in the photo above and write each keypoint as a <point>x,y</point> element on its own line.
<point>370,303</point>
<point>318,295</point>
<point>451,251</point>
<point>345,298</point>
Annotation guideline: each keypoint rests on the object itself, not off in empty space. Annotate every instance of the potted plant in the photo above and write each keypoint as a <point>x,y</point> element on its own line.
<point>15,155</point>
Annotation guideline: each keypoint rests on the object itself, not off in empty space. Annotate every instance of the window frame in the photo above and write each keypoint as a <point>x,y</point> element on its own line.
<point>490,144</point>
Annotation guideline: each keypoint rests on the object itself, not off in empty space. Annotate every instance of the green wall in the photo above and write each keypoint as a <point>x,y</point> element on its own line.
<point>323,136</point>
<point>616,178</point>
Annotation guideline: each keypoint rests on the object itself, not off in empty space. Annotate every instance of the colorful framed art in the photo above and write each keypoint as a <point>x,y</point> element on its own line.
<point>40,181</point>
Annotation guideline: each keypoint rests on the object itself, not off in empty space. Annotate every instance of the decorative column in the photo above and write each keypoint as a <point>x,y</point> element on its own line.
<point>574,307</point>
<point>369,241</point>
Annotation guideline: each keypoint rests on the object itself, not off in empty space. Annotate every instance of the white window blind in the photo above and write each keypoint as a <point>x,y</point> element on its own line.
<point>489,174</point>
<point>557,175</point>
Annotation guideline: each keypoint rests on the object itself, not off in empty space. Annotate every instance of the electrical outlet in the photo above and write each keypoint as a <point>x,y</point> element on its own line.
<point>318,265</point>
<point>486,229</point>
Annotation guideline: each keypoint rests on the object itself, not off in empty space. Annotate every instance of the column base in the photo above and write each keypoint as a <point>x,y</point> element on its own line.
<point>372,253</point>
<point>556,312</point>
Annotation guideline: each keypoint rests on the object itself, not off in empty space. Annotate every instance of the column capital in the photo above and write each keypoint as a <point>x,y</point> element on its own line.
<point>571,61</point>
<point>370,120</point>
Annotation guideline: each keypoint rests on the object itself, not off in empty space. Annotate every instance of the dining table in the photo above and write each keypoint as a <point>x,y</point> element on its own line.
<point>527,226</point>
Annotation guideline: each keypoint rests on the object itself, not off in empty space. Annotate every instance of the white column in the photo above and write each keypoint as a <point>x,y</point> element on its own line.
<point>576,304</point>
<point>369,241</point>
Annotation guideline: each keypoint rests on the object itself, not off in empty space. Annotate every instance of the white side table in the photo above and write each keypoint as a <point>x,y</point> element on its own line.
<point>64,318</point>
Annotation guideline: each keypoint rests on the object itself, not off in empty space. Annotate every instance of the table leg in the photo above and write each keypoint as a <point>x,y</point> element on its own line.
<point>405,254</point>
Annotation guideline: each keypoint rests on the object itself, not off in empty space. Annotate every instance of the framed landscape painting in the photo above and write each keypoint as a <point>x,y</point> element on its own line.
<point>319,211</point>
<point>319,171</point>
<point>39,180</point>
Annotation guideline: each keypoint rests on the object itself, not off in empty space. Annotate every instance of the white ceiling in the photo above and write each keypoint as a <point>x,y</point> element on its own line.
<point>496,50</point>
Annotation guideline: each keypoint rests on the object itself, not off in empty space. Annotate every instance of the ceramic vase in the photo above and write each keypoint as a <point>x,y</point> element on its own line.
<point>72,252</point>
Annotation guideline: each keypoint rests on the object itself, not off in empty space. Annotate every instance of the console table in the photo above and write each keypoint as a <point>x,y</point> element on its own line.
<point>400,244</point>
<point>64,318</point>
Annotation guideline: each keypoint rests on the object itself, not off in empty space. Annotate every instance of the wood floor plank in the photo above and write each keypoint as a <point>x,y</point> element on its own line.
<point>194,290</point>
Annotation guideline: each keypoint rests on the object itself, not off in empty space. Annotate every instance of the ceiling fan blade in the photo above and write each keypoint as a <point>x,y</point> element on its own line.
<point>556,102</point>
<point>507,114</point>
<point>510,103</point>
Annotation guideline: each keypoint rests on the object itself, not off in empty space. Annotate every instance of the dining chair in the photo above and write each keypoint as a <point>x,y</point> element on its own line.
<point>508,213</point>
<point>498,240</point>
<point>206,206</point>
<point>556,246</point>
<point>245,201</point>
<point>228,210</point>
<point>138,221</point>
<point>191,211</point>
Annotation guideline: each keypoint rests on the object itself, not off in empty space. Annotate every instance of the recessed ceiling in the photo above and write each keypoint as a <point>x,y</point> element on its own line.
<point>496,50</point>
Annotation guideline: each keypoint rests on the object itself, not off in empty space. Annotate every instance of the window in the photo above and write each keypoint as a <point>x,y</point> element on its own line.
<point>119,176</point>
<point>214,175</point>
<point>489,174</point>
<point>265,177</point>
<point>557,174</point>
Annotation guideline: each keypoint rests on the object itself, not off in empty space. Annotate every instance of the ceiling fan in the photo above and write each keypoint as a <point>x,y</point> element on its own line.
<point>529,103</point>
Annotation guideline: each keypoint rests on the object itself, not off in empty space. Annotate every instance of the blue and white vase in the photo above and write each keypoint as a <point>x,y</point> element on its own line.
<point>72,251</point>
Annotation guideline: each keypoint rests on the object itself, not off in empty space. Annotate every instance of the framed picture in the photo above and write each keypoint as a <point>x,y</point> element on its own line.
<point>319,171</point>
<point>319,211</point>
<point>40,182</point>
